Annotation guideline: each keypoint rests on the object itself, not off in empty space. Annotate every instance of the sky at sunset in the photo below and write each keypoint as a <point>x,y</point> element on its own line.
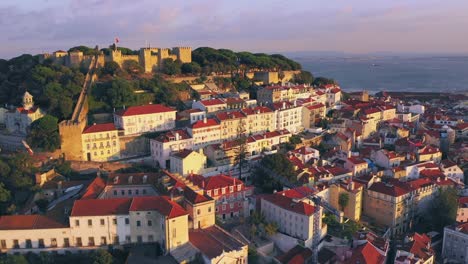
<point>357,26</point>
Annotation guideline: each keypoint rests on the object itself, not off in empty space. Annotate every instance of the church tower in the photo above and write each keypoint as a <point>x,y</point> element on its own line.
<point>28,102</point>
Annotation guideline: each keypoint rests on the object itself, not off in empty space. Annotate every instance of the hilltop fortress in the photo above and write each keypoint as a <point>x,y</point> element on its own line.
<point>151,59</point>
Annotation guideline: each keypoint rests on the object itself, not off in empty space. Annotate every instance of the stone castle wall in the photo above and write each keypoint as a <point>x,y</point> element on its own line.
<point>149,58</point>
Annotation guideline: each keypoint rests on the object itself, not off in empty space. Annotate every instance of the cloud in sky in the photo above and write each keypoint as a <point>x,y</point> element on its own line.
<point>35,26</point>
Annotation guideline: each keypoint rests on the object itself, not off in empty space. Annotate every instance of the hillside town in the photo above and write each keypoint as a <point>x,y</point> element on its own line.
<point>285,172</point>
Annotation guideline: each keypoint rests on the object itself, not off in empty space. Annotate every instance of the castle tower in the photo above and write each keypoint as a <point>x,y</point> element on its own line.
<point>184,54</point>
<point>28,101</point>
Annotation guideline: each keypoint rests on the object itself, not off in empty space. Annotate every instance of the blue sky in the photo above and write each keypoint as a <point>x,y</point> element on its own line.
<point>352,26</point>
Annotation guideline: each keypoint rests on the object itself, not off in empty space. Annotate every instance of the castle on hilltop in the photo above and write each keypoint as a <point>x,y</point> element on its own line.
<point>150,59</point>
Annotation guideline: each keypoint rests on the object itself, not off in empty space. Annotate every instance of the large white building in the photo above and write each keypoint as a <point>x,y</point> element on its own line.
<point>145,118</point>
<point>288,116</point>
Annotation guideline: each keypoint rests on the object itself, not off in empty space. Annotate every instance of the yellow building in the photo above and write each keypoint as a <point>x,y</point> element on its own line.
<point>354,190</point>
<point>100,142</point>
<point>259,119</point>
<point>312,113</point>
<point>200,207</point>
<point>390,205</point>
<point>232,123</point>
<point>187,161</point>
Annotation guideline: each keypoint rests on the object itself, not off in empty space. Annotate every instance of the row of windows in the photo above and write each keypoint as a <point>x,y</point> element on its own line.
<point>129,192</point>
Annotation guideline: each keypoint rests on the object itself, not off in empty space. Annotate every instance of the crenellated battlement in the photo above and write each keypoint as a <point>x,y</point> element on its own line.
<point>150,58</point>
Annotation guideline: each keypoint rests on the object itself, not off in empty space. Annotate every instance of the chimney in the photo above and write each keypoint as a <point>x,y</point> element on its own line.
<point>124,107</point>
<point>284,105</point>
<point>177,137</point>
<point>130,179</point>
<point>204,120</point>
<point>145,178</point>
<point>116,179</point>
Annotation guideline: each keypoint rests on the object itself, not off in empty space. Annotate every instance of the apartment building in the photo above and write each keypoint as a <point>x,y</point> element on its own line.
<point>389,205</point>
<point>356,165</point>
<point>224,153</point>
<point>455,243</point>
<point>167,143</point>
<point>288,116</point>
<point>259,119</point>
<point>312,113</point>
<point>145,118</point>
<point>354,190</point>
<point>100,142</point>
<point>277,93</point>
<point>294,218</point>
<point>232,124</point>
<point>205,132</point>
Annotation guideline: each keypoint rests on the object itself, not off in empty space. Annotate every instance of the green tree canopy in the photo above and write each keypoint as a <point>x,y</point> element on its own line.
<point>321,81</point>
<point>443,211</point>
<point>132,67</point>
<point>343,200</point>
<point>44,133</point>
<point>279,164</point>
<point>171,67</point>
<point>111,68</point>
<point>304,77</point>
<point>191,68</point>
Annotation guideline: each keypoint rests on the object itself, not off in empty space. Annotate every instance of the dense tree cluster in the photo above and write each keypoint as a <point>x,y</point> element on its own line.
<point>443,210</point>
<point>44,133</point>
<point>224,60</point>
<point>54,87</point>
<point>86,50</point>
<point>279,164</point>
<point>16,181</point>
<point>120,92</point>
<point>321,81</point>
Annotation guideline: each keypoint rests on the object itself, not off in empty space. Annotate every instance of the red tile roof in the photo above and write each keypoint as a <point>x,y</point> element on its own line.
<point>182,153</point>
<point>256,110</point>
<point>17,222</point>
<point>96,128</point>
<point>316,106</point>
<point>393,189</point>
<point>229,115</point>
<point>162,204</point>
<point>215,182</point>
<point>296,255</point>
<point>212,102</point>
<point>335,90</point>
<point>172,135</point>
<point>298,192</point>
<point>21,110</point>
<point>194,197</point>
<point>94,189</point>
<point>201,123</point>
<point>420,246</point>
<point>145,110</point>
<point>101,207</point>
<point>289,204</point>
<point>366,254</point>
<point>213,241</point>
